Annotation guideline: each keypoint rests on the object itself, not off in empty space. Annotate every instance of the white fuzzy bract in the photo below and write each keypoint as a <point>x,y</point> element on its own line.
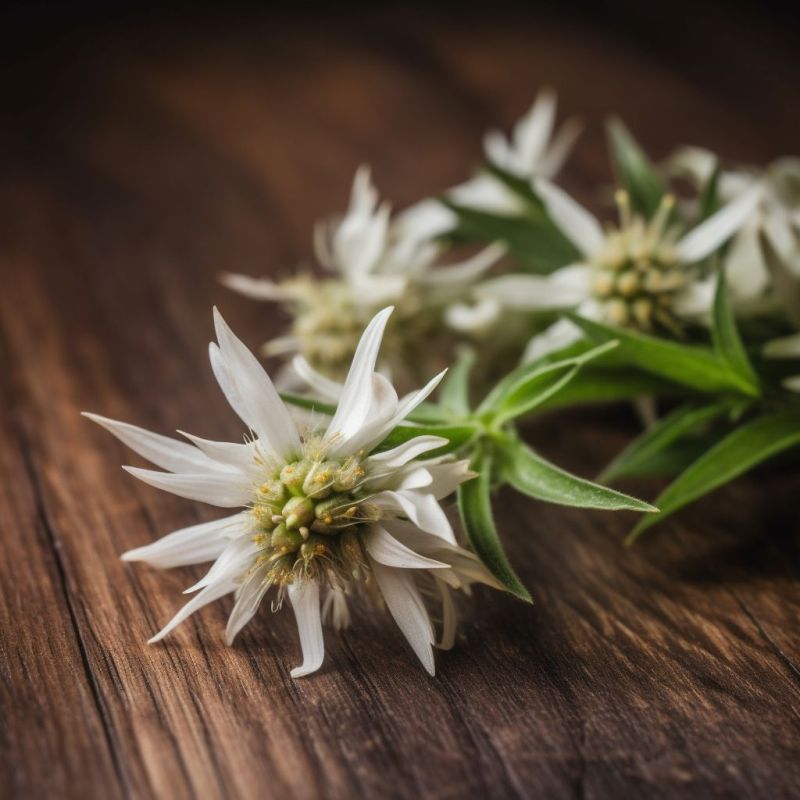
<point>322,516</point>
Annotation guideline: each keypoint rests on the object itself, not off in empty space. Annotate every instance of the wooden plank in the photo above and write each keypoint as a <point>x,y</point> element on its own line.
<point>669,669</point>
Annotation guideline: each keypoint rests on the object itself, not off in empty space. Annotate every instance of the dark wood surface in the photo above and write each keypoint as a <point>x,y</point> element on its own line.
<point>140,159</point>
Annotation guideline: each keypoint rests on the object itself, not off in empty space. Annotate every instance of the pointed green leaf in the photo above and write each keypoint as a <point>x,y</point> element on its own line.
<point>532,384</point>
<point>657,438</point>
<point>727,342</point>
<point>475,508</point>
<point>534,240</point>
<point>454,394</point>
<point>457,435</point>
<point>709,202</point>
<point>634,170</point>
<point>689,365</point>
<point>532,475</point>
<point>742,449</point>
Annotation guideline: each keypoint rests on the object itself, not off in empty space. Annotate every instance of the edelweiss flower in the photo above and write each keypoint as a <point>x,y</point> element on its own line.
<point>642,274</point>
<point>777,216</point>
<point>531,151</point>
<point>372,263</point>
<point>325,516</point>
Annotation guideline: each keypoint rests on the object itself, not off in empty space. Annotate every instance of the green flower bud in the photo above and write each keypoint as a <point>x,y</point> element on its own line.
<point>319,479</point>
<point>293,475</point>
<point>297,512</point>
<point>348,475</point>
<point>285,541</point>
<point>335,509</point>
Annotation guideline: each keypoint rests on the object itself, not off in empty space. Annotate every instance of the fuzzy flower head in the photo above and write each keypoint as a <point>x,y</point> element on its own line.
<point>642,274</point>
<point>369,263</point>
<point>326,516</point>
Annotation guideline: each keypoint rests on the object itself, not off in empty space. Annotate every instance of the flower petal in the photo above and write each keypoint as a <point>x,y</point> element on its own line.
<point>403,453</point>
<point>717,229</point>
<point>565,288</point>
<point>265,412</point>
<point>255,288</point>
<point>193,545</point>
<point>406,606</point>
<point>385,549</point>
<point>575,222</point>
<point>466,272</point>
<point>447,476</point>
<point>532,132</point>
<point>422,509</point>
<point>248,599</point>
<point>785,347</point>
<point>241,457</point>
<point>223,489</point>
<point>234,561</point>
<point>304,597</point>
<point>357,392</point>
<point>208,595</point>
<point>559,149</point>
<point>324,387</point>
<point>163,451</point>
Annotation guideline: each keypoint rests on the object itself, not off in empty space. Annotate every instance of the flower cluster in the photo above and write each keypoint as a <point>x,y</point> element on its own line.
<point>686,302</point>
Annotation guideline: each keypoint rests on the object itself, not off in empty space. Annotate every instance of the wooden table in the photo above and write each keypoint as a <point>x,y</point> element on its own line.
<point>139,159</point>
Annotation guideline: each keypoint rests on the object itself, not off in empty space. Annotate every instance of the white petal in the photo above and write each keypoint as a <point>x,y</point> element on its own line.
<point>717,229</point>
<point>448,476</point>
<point>193,545</point>
<point>474,318</point>
<point>256,288</point>
<point>533,131</point>
<point>235,561</point>
<point>575,222</point>
<point>163,451</point>
<point>485,192</point>
<point>403,453</point>
<point>785,347</point>
<point>560,148</point>
<point>208,595</point>
<point>384,548</point>
<point>425,220</point>
<point>224,489</point>
<point>746,274</point>
<point>357,392</point>
<point>406,606</point>
<point>422,509</point>
<point>465,272</point>
<point>266,413</point>
<point>248,599</point>
<point>324,387</point>
<point>241,457</point>
<point>305,602</point>
<point>565,288</point>
<point>696,300</point>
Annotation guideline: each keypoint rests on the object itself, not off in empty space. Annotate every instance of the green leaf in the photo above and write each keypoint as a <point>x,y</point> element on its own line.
<point>696,367</point>
<point>454,394</point>
<point>634,170</point>
<point>709,202</point>
<point>309,403</point>
<point>533,239</point>
<point>475,508</point>
<point>457,435</point>
<point>532,475</point>
<point>520,186</point>
<point>742,449</point>
<point>532,384</point>
<point>597,385</point>
<point>727,342</point>
<point>667,430</point>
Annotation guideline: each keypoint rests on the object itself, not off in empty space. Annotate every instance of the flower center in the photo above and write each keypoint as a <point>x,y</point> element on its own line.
<point>637,274</point>
<point>307,517</point>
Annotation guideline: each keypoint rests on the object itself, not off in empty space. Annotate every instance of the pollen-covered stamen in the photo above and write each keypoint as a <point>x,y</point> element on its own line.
<point>637,273</point>
<point>307,518</point>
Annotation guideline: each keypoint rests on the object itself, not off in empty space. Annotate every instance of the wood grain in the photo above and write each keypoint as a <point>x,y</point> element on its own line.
<point>139,160</point>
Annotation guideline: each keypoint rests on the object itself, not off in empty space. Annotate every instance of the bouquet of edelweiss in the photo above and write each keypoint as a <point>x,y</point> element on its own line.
<point>687,304</point>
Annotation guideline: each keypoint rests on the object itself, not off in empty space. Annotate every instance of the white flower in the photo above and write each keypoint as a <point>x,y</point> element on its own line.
<point>786,347</point>
<point>371,262</point>
<point>324,517</point>
<point>776,216</point>
<point>531,151</point>
<point>641,274</point>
